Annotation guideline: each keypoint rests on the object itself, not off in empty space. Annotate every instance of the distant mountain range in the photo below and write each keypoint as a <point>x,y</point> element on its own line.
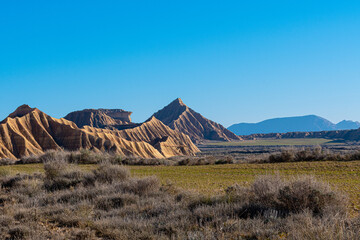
<point>309,123</point>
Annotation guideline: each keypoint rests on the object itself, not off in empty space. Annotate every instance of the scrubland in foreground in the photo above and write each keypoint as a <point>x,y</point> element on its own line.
<point>209,175</point>
<point>66,202</point>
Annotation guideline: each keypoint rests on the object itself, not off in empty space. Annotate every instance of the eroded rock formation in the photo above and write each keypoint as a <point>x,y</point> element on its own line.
<point>180,117</point>
<point>28,131</point>
<point>100,118</point>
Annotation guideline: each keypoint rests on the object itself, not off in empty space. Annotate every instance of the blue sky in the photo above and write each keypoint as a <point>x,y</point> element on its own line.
<point>232,61</point>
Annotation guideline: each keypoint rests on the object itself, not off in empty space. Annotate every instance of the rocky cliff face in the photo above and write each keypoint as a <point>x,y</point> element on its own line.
<point>180,117</point>
<point>28,131</point>
<point>100,118</point>
<point>117,114</point>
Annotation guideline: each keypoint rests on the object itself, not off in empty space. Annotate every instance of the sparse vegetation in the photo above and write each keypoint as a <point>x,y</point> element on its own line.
<point>276,142</point>
<point>311,154</point>
<point>271,153</point>
<point>89,157</point>
<point>212,178</point>
<point>210,155</point>
<point>66,202</point>
<point>87,195</point>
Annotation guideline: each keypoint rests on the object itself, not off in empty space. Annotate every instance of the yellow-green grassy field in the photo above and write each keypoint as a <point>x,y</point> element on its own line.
<point>212,179</point>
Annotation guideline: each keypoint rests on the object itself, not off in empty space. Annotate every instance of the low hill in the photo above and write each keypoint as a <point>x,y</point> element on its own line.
<point>310,123</point>
<point>347,124</point>
<point>28,131</point>
<point>180,117</point>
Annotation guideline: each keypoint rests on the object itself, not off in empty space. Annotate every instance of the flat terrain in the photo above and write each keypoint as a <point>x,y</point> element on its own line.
<point>211,179</point>
<point>276,142</point>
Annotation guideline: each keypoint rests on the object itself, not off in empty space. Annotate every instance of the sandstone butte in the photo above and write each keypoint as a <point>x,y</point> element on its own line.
<point>101,118</point>
<point>28,131</point>
<point>180,117</point>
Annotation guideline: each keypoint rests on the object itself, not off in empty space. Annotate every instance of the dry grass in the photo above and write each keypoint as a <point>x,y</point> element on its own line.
<point>213,179</point>
<point>67,202</point>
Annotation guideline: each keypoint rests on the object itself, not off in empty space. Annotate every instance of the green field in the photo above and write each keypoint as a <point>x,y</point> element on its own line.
<point>212,179</point>
<point>275,142</point>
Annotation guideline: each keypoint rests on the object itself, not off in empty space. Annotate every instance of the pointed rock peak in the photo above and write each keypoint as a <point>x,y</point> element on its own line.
<point>21,111</point>
<point>178,101</point>
<point>182,118</point>
<point>152,119</point>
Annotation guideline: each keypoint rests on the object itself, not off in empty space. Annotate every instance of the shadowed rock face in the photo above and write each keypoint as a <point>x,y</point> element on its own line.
<point>117,114</point>
<point>180,117</point>
<point>20,111</point>
<point>100,118</point>
<point>28,131</point>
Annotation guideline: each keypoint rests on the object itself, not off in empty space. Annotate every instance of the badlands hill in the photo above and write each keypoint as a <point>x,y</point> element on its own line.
<point>180,117</point>
<point>28,131</point>
<point>310,123</point>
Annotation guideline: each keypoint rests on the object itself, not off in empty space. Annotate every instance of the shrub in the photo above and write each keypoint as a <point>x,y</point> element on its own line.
<point>311,154</point>
<point>332,227</point>
<point>115,201</point>
<point>29,186</point>
<point>225,160</point>
<point>85,156</point>
<point>6,161</point>
<point>60,175</point>
<point>6,220</point>
<point>64,181</point>
<point>55,167</point>
<point>19,232</point>
<point>142,186</point>
<point>271,193</point>
<point>83,234</point>
<point>306,194</point>
<point>108,173</point>
<point>284,156</point>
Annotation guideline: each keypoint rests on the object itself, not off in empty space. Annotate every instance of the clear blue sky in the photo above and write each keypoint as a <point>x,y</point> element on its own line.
<point>232,61</point>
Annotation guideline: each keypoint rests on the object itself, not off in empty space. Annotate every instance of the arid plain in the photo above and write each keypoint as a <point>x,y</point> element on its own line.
<point>97,175</point>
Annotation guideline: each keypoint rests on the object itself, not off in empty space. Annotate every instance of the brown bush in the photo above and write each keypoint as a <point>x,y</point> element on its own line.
<point>108,173</point>
<point>272,194</point>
